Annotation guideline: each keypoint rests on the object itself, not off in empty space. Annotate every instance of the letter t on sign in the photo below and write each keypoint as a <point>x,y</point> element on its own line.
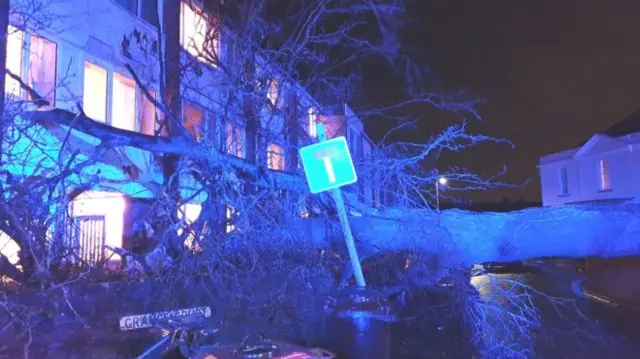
<point>329,167</point>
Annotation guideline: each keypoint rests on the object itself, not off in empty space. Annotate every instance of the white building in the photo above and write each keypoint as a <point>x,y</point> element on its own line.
<point>603,170</point>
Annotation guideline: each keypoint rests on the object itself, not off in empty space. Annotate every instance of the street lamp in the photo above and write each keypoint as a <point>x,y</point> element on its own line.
<point>442,181</point>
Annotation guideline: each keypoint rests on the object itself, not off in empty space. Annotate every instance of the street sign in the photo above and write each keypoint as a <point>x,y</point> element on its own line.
<point>147,320</point>
<point>328,165</point>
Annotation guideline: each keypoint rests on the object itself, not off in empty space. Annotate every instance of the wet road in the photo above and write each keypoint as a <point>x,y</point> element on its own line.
<point>571,326</point>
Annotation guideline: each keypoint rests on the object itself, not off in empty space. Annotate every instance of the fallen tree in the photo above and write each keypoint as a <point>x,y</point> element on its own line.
<point>472,237</point>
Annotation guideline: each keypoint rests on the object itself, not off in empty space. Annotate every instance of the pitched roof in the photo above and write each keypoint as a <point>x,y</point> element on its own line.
<point>629,125</point>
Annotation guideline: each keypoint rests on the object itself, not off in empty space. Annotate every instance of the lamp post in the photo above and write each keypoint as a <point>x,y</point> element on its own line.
<point>442,181</point>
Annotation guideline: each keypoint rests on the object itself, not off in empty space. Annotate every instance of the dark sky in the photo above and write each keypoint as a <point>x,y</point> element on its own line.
<point>552,73</point>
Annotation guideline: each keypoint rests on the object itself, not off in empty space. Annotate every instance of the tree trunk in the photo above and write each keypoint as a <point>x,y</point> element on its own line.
<point>173,73</point>
<point>292,132</point>
<point>173,100</point>
<point>464,238</point>
<point>4,24</point>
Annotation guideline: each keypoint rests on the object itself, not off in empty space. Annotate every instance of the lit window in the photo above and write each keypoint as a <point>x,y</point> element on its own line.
<point>562,178</point>
<point>15,40</point>
<point>605,180</point>
<point>313,131</point>
<point>147,115</point>
<point>94,101</point>
<point>193,120</point>
<point>272,93</point>
<point>123,104</point>
<point>230,215</point>
<point>275,157</point>
<point>42,67</point>
<point>194,29</point>
<point>9,248</point>
<point>234,140</point>
<point>189,213</point>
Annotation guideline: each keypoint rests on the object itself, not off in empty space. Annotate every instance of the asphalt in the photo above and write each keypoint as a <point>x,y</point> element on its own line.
<point>585,316</point>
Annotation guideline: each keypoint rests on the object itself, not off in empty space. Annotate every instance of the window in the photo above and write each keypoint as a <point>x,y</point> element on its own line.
<point>189,214</point>
<point>41,59</point>
<point>275,157</point>
<point>123,103</point>
<point>94,100</point>
<point>149,11</point>
<point>15,40</point>
<point>230,215</point>
<point>194,29</point>
<point>366,149</point>
<point>313,119</point>
<point>147,115</point>
<point>130,5</point>
<point>273,95</point>
<point>234,140</point>
<point>605,181</point>
<point>42,67</point>
<point>355,144</point>
<point>562,178</point>
<point>146,9</point>
<point>97,210</point>
<point>193,120</point>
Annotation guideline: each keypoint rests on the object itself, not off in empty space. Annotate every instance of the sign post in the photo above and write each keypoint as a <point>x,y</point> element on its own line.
<point>328,166</point>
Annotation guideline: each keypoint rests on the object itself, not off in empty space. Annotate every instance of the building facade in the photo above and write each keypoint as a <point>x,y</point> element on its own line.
<point>78,59</point>
<point>603,170</point>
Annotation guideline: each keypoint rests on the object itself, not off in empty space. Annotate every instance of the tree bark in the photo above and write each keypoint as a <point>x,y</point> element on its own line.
<point>464,238</point>
<point>4,24</point>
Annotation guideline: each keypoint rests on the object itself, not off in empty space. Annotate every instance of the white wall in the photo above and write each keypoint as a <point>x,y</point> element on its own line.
<point>583,176</point>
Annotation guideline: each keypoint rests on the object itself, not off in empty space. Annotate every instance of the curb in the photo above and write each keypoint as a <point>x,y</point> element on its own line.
<point>599,298</point>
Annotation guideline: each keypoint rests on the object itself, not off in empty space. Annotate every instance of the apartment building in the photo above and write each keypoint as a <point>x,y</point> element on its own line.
<point>80,61</point>
<point>602,170</point>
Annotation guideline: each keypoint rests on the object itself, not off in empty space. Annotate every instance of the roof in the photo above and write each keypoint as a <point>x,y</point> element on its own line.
<point>629,125</point>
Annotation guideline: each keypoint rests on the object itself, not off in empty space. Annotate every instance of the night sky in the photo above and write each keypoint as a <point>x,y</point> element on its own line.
<point>552,73</point>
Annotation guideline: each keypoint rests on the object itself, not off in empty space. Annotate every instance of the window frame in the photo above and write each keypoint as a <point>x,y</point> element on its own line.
<point>139,93</point>
<point>136,111</point>
<point>205,118</point>
<point>604,175</point>
<point>51,97</point>
<point>271,154</point>
<point>14,31</point>
<point>25,65</point>
<point>239,150</point>
<point>312,121</point>
<point>274,94</point>
<point>563,181</point>
<point>108,97</point>
<point>197,8</point>
<point>139,10</point>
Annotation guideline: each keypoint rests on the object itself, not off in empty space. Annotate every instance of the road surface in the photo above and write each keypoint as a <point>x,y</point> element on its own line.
<point>572,326</point>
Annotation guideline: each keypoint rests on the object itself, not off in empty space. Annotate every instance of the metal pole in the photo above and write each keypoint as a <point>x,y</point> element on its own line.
<point>438,196</point>
<point>344,221</point>
<point>348,237</point>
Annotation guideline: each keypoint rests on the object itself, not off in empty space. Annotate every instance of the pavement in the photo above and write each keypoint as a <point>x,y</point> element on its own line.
<point>619,287</point>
